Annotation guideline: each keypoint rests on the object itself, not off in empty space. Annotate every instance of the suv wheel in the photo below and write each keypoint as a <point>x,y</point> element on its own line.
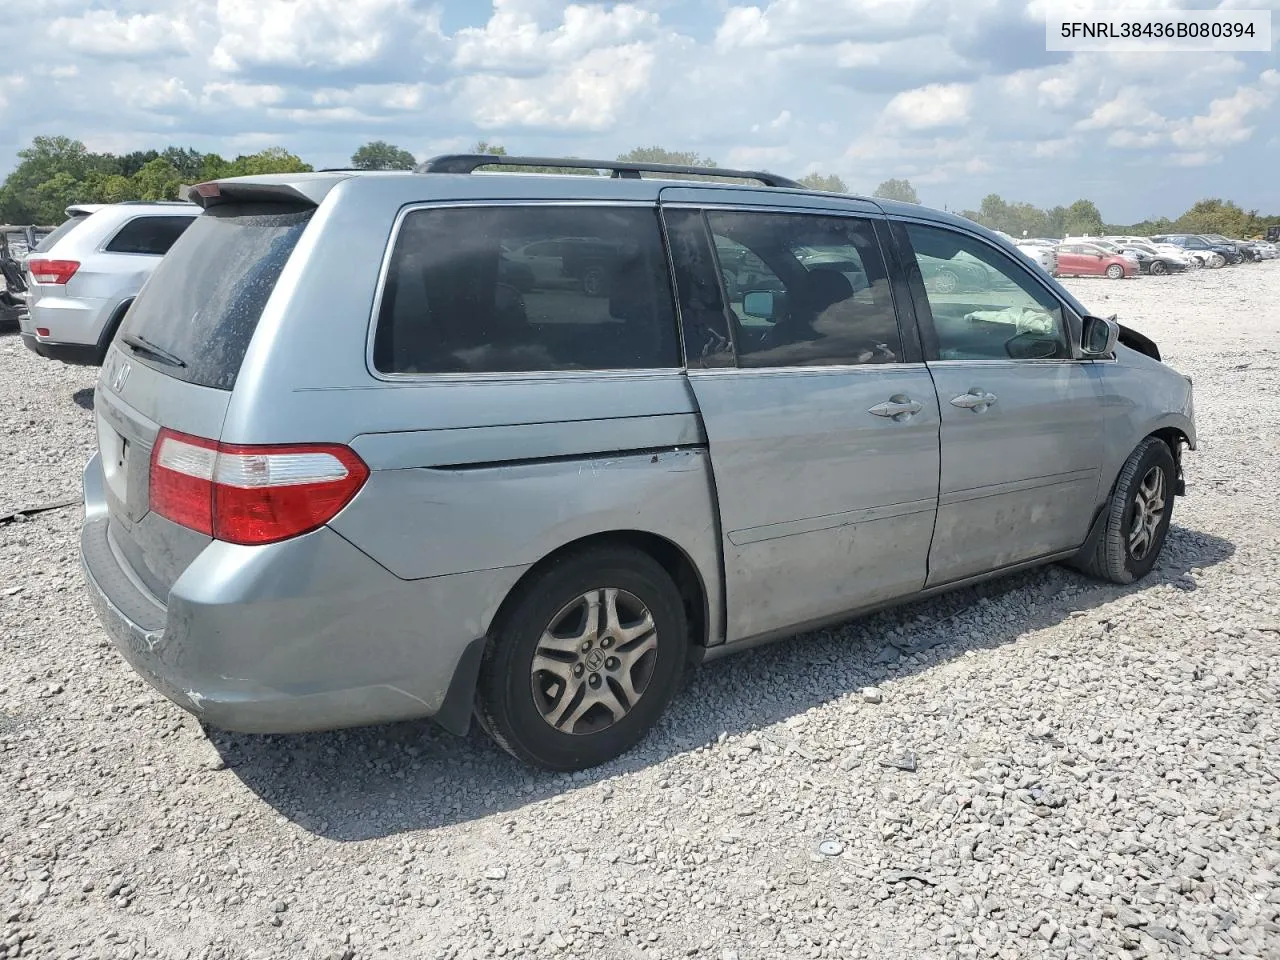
<point>584,660</point>
<point>1137,516</point>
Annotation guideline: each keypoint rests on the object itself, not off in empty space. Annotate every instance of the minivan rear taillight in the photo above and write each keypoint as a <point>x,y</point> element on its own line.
<point>251,494</point>
<point>52,271</point>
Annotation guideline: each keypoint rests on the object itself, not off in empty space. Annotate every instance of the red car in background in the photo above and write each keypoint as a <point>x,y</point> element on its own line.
<point>1090,260</point>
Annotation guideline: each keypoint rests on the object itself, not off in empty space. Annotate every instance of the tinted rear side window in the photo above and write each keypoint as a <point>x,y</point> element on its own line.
<point>203,302</point>
<point>503,289</point>
<point>59,232</point>
<point>149,235</point>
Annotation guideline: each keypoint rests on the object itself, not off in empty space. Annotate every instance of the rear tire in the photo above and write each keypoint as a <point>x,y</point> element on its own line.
<point>584,659</point>
<point>1158,269</point>
<point>1137,516</point>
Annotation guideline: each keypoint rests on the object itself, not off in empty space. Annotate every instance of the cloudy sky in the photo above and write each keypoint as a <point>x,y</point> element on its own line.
<point>957,95</point>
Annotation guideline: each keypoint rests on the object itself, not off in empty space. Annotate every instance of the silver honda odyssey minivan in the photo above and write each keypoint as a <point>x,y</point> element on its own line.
<point>376,446</point>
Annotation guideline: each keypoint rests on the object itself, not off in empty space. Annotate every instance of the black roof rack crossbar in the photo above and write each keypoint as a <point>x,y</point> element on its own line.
<point>470,162</point>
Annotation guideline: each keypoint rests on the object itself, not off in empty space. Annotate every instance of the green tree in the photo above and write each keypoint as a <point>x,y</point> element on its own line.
<point>107,188</point>
<point>829,182</point>
<point>1057,221</point>
<point>380,155</point>
<point>497,150</point>
<point>683,158</point>
<point>271,160</point>
<point>1218,216</point>
<point>188,161</point>
<point>134,161</point>
<point>1083,218</point>
<point>157,180</point>
<point>897,190</point>
<point>48,157</point>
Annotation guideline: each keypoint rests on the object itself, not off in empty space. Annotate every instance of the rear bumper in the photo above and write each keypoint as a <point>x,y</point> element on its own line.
<point>314,636</point>
<point>79,354</point>
<point>69,320</point>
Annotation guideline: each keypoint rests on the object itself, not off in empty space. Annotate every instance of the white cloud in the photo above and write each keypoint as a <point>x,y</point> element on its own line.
<point>9,85</point>
<point>375,98</point>
<point>149,92</point>
<point>937,105</point>
<point>106,33</point>
<point>786,22</point>
<point>323,35</point>
<point>1200,158</point>
<point>590,94</point>
<point>511,40</point>
<point>245,96</point>
<point>1228,117</point>
<point>1131,140</point>
<point>1126,110</point>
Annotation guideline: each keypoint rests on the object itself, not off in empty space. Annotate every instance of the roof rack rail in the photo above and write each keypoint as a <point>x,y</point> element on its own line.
<point>624,169</point>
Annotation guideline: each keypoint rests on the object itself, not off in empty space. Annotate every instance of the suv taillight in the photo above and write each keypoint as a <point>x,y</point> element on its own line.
<point>251,494</point>
<point>52,271</point>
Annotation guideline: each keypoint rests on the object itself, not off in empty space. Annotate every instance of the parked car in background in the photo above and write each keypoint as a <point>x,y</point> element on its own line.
<point>1216,254</point>
<point>86,273</point>
<point>1267,250</point>
<point>347,475</point>
<point>1150,260</point>
<point>1045,256</point>
<point>1080,259</point>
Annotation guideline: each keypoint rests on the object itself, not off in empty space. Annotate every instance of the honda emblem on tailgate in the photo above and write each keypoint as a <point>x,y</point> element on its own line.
<point>120,376</point>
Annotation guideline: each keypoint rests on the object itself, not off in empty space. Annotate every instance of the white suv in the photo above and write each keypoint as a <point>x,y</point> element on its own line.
<point>80,285</point>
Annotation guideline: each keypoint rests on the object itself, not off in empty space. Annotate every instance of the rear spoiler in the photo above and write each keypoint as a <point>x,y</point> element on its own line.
<point>303,188</point>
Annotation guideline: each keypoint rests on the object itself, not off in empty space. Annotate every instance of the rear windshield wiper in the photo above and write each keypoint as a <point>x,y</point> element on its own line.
<point>148,349</point>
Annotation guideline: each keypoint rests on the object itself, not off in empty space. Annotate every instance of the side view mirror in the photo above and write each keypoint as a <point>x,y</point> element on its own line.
<point>1099,337</point>
<point>760,304</point>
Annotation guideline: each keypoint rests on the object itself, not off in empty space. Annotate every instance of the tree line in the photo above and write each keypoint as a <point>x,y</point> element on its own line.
<point>55,172</point>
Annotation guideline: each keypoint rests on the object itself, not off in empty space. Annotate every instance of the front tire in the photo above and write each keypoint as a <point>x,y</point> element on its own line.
<point>584,659</point>
<point>1115,271</point>
<point>1158,269</point>
<point>1137,516</point>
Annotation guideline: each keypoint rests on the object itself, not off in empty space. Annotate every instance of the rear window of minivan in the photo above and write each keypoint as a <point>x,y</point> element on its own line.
<point>203,302</point>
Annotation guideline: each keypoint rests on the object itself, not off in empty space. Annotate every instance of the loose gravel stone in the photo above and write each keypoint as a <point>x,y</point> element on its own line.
<point>1096,778</point>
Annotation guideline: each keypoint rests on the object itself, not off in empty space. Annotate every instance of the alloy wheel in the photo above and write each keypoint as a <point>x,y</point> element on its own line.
<point>594,661</point>
<point>1148,511</point>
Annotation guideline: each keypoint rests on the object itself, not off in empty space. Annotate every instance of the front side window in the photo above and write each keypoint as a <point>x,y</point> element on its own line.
<point>805,290</point>
<point>985,306</point>
<point>149,235</point>
<point>494,289</point>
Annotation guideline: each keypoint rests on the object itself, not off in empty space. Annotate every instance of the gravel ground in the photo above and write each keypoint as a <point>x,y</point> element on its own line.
<point>1090,771</point>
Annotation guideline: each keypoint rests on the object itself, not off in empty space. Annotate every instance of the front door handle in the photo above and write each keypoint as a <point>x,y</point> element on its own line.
<point>897,408</point>
<point>976,400</point>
